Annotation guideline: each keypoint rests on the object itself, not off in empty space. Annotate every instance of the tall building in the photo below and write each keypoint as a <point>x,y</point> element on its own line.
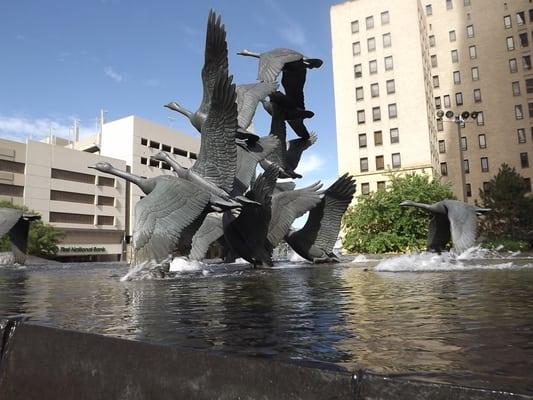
<point>396,64</point>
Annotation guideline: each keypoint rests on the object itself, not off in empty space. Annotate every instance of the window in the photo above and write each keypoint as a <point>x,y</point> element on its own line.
<point>524,39</point>
<point>391,87</point>
<point>12,166</point>
<point>373,66</point>
<point>459,98</point>
<point>376,114</point>
<point>363,164</point>
<point>464,143</point>
<point>528,181</point>
<point>365,188</point>
<point>516,88</point>
<point>442,146</point>
<point>378,138</point>
<point>374,90</point>
<point>518,111</point>
<point>179,152</point>
<point>456,77</point>
<point>435,81</point>
<point>510,43</point>
<point>359,94</point>
<point>449,4</point>
<point>477,95</point>
<point>451,36</point>
<point>455,56</point>
<point>361,116</point>
<point>429,10</point>
<point>396,160</point>
<point>466,166</point>
<point>72,176</point>
<point>526,62</point>
<point>388,63</point>
<point>438,103</point>
<point>466,3</point>
<point>11,190</point>
<point>531,15</point>
<point>154,144</point>
<point>369,22</point>
<point>468,190</point>
<point>520,18</point>
<point>144,161</point>
<point>513,65</point>
<point>480,118</point>
<point>153,163</point>
<point>440,125</point>
<point>358,70</point>
<point>473,52</point>
<point>482,141</point>
<point>73,197</point>
<point>380,163</point>
<point>385,18</point>
<point>529,85</point>
<point>381,186</point>
<point>470,31</point>
<point>431,40</point>
<point>507,22</point>
<point>106,201</point>
<point>475,73</point>
<point>393,111</point>
<point>355,26</point>
<point>447,103</point>
<point>530,109</point>
<point>434,61</point>
<point>524,161</point>
<point>484,164</point>
<point>371,44</point>
<point>387,40</point>
<point>486,186</point>
<point>69,218</point>
<point>356,48</point>
<point>362,140</point>
<point>521,133</point>
<point>394,136</point>
<point>144,142</point>
<point>444,169</point>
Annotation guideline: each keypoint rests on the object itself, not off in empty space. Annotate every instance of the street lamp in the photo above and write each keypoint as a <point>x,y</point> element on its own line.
<point>459,120</point>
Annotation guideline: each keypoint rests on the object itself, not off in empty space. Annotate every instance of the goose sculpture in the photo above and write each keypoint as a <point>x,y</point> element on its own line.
<point>451,219</point>
<point>315,241</point>
<point>248,97</point>
<point>16,223</point>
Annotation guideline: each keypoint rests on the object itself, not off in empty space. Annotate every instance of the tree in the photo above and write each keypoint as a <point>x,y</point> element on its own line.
<point>42,238</point>
<point>378,224</point>
<point>512,210</point>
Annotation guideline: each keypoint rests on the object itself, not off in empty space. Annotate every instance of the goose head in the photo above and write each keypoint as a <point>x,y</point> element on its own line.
<point>102,166</point>
<point>246,52</point>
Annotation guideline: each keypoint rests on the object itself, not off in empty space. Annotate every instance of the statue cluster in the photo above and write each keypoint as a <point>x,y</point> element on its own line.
<point>220,198</point>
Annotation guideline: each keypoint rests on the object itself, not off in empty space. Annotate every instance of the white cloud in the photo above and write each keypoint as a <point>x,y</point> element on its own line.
<point>111,73</point>
<point>310,163</point>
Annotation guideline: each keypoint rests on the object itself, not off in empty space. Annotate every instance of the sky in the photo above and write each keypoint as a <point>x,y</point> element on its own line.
<point>67,59</point>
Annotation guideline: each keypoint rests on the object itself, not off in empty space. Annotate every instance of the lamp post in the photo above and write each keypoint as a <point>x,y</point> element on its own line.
<point>459,120</point>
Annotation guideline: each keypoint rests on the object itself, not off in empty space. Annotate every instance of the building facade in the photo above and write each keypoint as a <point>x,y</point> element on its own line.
<point>407,60</point>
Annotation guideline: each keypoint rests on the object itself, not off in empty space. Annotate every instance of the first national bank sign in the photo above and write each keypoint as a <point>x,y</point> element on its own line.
<point>81,250</point>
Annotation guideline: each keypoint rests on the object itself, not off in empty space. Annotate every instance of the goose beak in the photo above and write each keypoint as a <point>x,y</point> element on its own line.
<point>92,166</point>
<point>172,106</point>
<point>405,203</point>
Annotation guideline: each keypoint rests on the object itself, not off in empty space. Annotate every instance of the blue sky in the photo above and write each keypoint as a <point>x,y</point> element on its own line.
<point>63,60</point>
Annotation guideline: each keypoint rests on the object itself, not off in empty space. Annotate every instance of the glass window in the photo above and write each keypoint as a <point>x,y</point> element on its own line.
<point>459,98</point>
<point>477,95</point>
<point>359,94</point>
<point>521,133</point>
<point>466,166</point>
<point>429,10</point>
<point>524,160</point>
<point>369,22</point>
<point>361,116</point>
<point>363,164</point>
<point>520,18</point>
<point>435,81</point>
<point>530,109</point>
<point>442,146</point>
<point>355,26</point>
<point>513,65</point>
<point>356,48</point>
<point>396,160</point>
<point>451,36</point>
<point>464,143</point>
<point>468,190</point>
<point>431,40</point>
<point>433,61</point>
<point>381,186</point>
<point>531,15</point>
<point>371,44</point>
<point>391,88</point>
<point>473,52</point>
<point>529,85</point>
<point>466,3</point>
<point>528,181</point>
<point>438,103</point>
<point>378,138</point>
<point>475,73</point>
<point>440,125</point>
<point>526,62</point>
<point>358,70</point>
<point>373,66</point>
<point>455,56</point>
<point>393,111</point>
<point>374,90</point>
<point>447,102</point>
<point>362,140</point>
<point>449,4</point>
<point>484,164</point>
<point>470,31</point>
<point>385,18</point>
<point>380,162</point>
<point>518,111</point>
<point>394,135</point>
<point>524,39</point>
<point>510,43</point>
<point>482,139</point>
<point>480,118</point>
<point>388,63</point>
<point>387,40</point>
<point>376,114</point>
<point>507,22</point>
<point>443,169</point>
<point>365,188</point>
<point>516,88</point>
<point>456,77</point>
<point>486,186</point>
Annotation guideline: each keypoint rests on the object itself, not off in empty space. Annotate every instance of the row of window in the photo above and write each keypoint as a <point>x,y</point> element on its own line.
<point>369,22</point>
<point>482,141</point>
<point>374,90</point>
<point>523,39</point>
<point>524,163</point>
<point>520,19</point>
<point>519,111</point>
<point>486,187</point>
<point>449,6</point>
<point>373,67</point>
<point>365,187</point>
<point>371,44</point>
<point>169,149</point>
<point>376,113</point>
<point>86,219</point>
<point>459,100</point>
<point>60,195</point>
<point>82,177</point>
<point>526,64</point>
<point>515,86</point>
<point>378,138</point>
<point>380,162</point>
<point>457,77</point>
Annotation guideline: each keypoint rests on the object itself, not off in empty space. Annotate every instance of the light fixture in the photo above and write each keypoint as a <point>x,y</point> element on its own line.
<point>449,114</point>
<point>465,114</point>
<point>440,114</point>
<point>474,114</point>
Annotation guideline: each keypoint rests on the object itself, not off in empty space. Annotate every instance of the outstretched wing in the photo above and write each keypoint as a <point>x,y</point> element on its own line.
<point>162,216</point>
<point>289,205</point>
<point>296,149</point>
<point>8,218</point>
<point>463,224</point>
<point>210,230</point>
<point>271,63</point>
<point>248,96</point>
<point>324,222</point>
<point>216,58</point>
<point>217,158</point>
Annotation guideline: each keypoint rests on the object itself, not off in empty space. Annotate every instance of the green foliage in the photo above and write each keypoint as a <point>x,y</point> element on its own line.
<point>42,238</point>
<point>507,245</point>
<point>377,223</point>
<point>512,210</point>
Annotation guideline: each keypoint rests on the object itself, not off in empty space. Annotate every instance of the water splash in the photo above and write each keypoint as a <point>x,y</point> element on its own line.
<point>182,264</point>
<point>361,258</point>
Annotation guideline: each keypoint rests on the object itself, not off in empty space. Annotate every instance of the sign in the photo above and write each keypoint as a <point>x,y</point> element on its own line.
<point>81,249</point>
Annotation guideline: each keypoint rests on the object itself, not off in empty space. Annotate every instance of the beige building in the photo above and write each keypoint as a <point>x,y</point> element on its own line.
<point>396,63</point>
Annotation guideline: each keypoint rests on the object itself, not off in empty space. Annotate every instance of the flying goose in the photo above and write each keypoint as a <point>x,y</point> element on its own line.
<point>17,224</point>
<point>450,219</point>
<point>315,241</point>
<point>248,96</point>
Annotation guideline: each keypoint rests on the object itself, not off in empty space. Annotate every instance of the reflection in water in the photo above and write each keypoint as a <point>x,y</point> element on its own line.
<point>467,327</point>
